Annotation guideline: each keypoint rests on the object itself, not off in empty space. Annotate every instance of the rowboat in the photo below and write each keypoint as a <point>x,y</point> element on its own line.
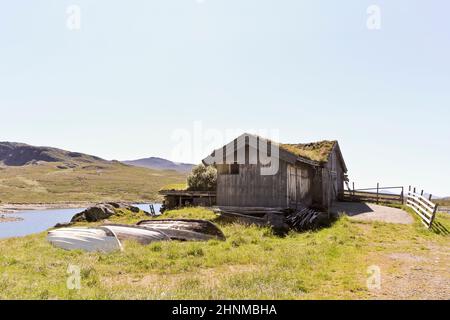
<point>136,233</point>
<point>108,237</point>
<point>184,229</point>
<point>88,239</point>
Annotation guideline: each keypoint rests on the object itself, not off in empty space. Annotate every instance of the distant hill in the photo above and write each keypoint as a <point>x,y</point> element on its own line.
<point>30,174</point>
<point>160,164</point>
<point>443,201</point>
<point>20,154</point>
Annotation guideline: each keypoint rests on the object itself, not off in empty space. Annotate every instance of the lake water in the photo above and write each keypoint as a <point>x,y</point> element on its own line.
<point>35,221</point>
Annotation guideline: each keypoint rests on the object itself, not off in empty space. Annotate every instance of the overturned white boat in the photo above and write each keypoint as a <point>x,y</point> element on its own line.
<point>136,233</point>
<point>88,239</point>
<point>105,238</point>
<point>109,237</point>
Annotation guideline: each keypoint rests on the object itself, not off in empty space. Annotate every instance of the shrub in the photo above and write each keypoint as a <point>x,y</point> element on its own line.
<point>202,178</point>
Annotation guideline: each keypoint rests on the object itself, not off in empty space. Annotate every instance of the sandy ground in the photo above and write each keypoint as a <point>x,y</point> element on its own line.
<point>15,207</point>
<point>372,212</point>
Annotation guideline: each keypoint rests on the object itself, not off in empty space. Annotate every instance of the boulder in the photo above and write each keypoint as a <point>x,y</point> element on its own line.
<point>102,211</point>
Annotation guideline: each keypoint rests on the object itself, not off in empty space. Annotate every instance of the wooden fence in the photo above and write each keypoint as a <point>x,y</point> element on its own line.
<point>376,195</point>
<point>444,209</point>
<point>424,208</point>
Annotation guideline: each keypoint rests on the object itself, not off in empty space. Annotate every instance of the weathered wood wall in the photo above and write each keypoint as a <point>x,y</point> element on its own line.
<point>300,181</point>
<point>251,189</point>
<point>330,182</point>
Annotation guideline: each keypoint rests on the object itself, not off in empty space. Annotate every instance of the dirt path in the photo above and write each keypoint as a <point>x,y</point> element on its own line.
<point>372,212</point>
<point>406,275</point>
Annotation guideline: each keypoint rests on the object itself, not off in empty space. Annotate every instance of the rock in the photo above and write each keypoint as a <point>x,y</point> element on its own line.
<point>102,211</point>
<point>63,225</point>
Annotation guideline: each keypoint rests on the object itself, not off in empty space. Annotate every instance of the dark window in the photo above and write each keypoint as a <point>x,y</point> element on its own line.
<point>234,168</point>
<point>228,168</point>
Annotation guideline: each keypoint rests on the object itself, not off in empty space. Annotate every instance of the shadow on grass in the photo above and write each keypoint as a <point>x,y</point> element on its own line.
<point>439,228</point>
<point>280,231</point>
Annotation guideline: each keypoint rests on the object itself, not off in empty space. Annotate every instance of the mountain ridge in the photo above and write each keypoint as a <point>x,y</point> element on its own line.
<point>30,174</point>
<point>18,154</point>
<point>160,164</point>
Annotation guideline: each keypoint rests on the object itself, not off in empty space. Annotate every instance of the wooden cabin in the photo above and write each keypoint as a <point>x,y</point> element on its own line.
<point>311,174</point>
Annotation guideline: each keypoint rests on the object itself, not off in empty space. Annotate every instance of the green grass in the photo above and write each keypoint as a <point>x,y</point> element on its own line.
<point>105,181</point>
<point>252,263</point>
<point>175,186</point>
<point>316,151</point>
<point>442,202</point>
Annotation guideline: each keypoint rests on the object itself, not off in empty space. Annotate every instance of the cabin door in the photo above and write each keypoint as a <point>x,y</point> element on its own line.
<point>291,185</point>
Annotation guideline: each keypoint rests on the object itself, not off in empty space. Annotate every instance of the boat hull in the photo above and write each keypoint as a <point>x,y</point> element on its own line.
<point>136,233</point>
<point>87,239</point>
<point>185,229</point>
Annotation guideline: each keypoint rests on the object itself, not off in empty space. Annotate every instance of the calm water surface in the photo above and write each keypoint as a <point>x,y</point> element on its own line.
<point>35,221</point>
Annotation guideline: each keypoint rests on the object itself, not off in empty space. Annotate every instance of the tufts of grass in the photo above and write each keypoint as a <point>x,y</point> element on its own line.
<point>175,186</point>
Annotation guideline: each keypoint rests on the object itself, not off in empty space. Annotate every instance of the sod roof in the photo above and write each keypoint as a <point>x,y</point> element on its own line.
<point>315,151</point>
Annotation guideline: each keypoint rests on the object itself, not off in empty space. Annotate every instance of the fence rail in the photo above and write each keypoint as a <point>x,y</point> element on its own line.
<point>377,195</point>
<point>422,206</point>
<point>444,209</point>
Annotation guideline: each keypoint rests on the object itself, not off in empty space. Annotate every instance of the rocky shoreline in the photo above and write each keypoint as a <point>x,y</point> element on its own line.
<point>15,207</point>
<point>5,218</point>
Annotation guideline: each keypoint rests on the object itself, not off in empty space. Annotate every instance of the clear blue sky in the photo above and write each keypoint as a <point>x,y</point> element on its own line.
<point>139,70</point>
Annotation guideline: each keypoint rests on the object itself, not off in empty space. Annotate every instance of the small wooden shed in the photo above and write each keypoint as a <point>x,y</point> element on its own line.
<point>311,174</point>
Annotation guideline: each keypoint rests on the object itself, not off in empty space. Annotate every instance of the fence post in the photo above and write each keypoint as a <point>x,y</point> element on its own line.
<point>432,217</point>
<point>402,197</point>
<point>378,192</point>
<point>431,196</point>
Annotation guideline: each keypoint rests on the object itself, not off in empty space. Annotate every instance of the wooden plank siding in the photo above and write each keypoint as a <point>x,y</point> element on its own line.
<point>300,177</point>
<point>328,182</point>
<point>251,189</point>
<point>291,185</point>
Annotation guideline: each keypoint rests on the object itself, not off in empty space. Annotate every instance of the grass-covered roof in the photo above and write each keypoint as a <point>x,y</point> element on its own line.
<point>315,151</point>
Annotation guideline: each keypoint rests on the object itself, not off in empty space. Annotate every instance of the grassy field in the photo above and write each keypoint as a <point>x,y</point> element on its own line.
<point>443,202</point>
<point>53,182</point>
<point>251,264</point>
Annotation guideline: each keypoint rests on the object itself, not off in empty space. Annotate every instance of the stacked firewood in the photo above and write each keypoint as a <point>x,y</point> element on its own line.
<point>281,220</point>
<point>303,219</point>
